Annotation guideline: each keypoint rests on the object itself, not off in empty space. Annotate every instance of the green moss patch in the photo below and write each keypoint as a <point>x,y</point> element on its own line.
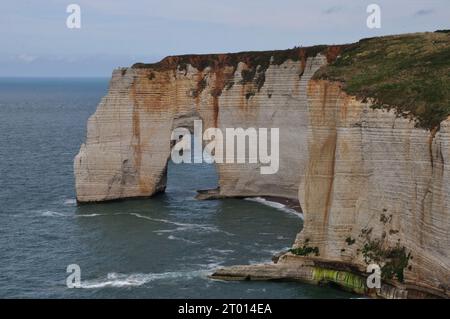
<point>343,279</point>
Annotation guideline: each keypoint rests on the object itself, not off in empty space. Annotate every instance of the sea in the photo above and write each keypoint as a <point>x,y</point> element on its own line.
<point>161,247</point>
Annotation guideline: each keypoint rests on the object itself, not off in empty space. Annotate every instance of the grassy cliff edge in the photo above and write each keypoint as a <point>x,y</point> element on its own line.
<point>409,73</point>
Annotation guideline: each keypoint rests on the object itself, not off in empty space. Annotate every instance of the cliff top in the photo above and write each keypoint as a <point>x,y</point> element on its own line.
<point>256,62</point>
<point>251,58</point>
<point>410,73</point>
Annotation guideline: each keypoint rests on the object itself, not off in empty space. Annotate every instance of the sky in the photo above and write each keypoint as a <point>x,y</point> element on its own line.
<point>35,41</point>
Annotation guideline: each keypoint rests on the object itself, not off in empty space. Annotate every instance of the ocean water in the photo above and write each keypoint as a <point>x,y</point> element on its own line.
<point>163,247</point>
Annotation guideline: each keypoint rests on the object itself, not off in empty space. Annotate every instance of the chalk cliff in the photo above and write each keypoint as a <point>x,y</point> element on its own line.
<point>376,189</point>
<point>374,186</point>
<point>128,139</point>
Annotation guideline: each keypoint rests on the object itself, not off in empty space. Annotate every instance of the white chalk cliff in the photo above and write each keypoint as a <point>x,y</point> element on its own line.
<point>372,186</point>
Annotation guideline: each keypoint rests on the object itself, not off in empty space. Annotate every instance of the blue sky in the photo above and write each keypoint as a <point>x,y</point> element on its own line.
<point>36,42</point>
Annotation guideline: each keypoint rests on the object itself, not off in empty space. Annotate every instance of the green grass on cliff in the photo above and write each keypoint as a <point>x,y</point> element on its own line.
<point>410,73</point>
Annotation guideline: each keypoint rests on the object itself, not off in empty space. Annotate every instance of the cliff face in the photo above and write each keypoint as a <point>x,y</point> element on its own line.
<point>374,188</point>
<point>128,139</point>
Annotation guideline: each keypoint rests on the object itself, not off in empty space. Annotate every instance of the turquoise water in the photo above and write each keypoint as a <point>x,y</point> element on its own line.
<point>162,247</point>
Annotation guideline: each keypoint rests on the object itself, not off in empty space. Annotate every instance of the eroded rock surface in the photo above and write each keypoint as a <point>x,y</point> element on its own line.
<point>372,186</point>
<point>128,139</point>
<point>376,189</point>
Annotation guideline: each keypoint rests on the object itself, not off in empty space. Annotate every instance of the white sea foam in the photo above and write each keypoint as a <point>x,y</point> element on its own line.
<point>118,280</point>
<point>276,205</point>
<point>90,215</point>
<point>167,221</point>
<point>221,251</point>
<point>171,237</point>
<point>181,226</point>
<point>276,251</point>
<point>49,213</point>
<point>70,202</point>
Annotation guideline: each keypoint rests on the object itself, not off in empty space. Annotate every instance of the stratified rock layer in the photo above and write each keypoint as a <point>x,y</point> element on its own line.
<point>373,188</point>
<point>376,189</point>
<point>128,139</point>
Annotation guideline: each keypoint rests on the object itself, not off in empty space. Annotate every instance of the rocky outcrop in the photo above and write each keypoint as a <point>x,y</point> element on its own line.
<point>376,190</point>
<point>128,138</point>
<point>319,271</point>
<point>373,187</point>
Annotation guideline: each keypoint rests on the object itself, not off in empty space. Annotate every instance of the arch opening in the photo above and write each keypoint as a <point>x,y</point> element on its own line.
<point>196,176</point>
<point>191,178</point>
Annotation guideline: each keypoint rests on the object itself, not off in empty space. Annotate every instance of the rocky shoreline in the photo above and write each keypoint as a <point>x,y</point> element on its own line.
<point>211,194</point>
<point>345,276</point>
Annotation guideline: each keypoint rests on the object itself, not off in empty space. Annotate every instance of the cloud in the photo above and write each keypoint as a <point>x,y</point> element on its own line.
<point>34,33</point>
<point>26,58</point>
<point>332,10</point>
<point>424,12</point>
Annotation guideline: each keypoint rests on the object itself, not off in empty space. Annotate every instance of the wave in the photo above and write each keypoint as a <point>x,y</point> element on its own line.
<point>166,221</point>
<point>49,213</point>
<point>277,251</point>
<point>70,202</point>
<point>171,237</point>
<point>181,226</point>
<point>221,251</point>
<point>118,280</point>
<point>276,205</point>
<point>90,215</point>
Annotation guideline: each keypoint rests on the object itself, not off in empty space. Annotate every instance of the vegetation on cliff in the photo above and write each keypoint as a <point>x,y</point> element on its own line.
<point>256,63</point>
<point>410,73</point>
<point>394,260</point>
<point>344,279</point>
<point>305,250</point>
<point>252,59</point>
